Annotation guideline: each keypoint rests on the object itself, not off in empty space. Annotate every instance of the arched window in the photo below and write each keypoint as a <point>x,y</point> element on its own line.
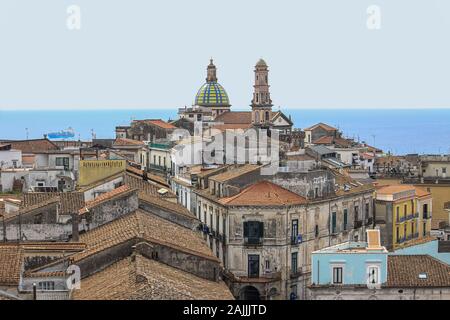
<point>267,115</point>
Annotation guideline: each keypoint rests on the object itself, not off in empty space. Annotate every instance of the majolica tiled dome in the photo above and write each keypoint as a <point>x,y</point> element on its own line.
<point>212,94</point>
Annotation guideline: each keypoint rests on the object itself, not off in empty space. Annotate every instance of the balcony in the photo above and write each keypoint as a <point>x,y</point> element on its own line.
<point>401,219</point>
<point>427,215</point>
<point>357,224</point>
<point>295,240</point>
<point>253,241</point>
<point>401,240</point>
<point>416,235</point>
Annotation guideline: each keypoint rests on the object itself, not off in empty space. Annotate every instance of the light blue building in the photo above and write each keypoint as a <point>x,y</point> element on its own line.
<point>350,263</point>
<point>433,248</point>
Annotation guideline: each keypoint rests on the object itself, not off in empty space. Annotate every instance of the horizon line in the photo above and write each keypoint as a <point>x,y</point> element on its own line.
<point>275,109</point>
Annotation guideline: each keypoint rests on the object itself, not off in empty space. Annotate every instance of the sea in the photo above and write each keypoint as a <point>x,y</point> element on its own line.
<point>399,131</point>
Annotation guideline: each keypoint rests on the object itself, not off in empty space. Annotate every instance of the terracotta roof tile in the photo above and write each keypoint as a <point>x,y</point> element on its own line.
<point>321,125</point>
<point>140,278</point>
<point>157,122</point>
<point>404,271</point>
<point>107,196</point>
<point>147,188</point>
<point>11,257</point>
<point>232,173</point>
<point>32,146</point>
<point>127,142</point>
<point>333,140</point>
<point>70,202</point>
<point>147,226</point>
<point>164,204</point>
<point>235,117</point>
<point>264,193</point>
<point>232,126</point>
<point>395,189</point>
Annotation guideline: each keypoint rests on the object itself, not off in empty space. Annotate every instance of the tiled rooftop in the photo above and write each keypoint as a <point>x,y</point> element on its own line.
<point>141,224</point>
<point>127,142</point>
<point>157,122</point>
<point>140,278</point>
<point>32,146</point>
<point>70,202</point>
<point>232,173</point>
<point>164,204</point>
<point>147,188</point>
<point>264,193</point>
<point>108,196</point>
<point>404,271</point>
<point>321,125</point>
<point>10,264</point>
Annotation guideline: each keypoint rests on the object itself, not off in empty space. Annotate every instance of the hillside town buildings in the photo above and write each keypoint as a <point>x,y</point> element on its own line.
<point>157,213</point>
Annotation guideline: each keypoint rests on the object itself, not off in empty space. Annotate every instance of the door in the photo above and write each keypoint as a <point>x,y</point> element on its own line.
<point>253,265</point>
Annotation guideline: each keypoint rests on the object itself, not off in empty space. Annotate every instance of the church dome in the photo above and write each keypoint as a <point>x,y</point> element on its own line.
<point>212,94</point>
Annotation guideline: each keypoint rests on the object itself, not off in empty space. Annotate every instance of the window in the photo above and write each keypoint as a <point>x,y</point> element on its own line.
<point>14,163</point>
<point>398,213</point>
<point>333,222</point>
<point>62,162</point>
<point>294,262</point>
<point>46,285</point>
<point>316,192</point>
<point>345,219</point>
<point>253,265</point>
<point>444,170</point>
<point>424,229</point>
<point>373,275</point>
<point>38,219</point>
<point>316,231</point>
<point>367,211</point>
<point>337,275</point>
<point>253,232</point>
<point>398,234</point>
<point>405,210</point>
<point>267,265</point>
<point>294,231</point>
<point>224,225</point>
<point>356,212</point>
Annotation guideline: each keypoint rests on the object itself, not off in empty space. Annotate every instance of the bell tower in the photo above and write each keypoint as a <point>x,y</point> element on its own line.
<point>211,75</point>
<point>261,103</point>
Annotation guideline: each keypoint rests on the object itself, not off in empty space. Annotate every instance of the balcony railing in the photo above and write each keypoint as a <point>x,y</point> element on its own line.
<point>296,239</point>
<point>416,235</point>
<point>427,215</point>
<point>254,241</point>
<point>410,216</point>
<point>158,167</point>
<point>357,224</point>
<point>401,219</point>
<point>401,240</point>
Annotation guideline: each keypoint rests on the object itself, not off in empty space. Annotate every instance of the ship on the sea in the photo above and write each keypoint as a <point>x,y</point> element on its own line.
<point>63,134</point>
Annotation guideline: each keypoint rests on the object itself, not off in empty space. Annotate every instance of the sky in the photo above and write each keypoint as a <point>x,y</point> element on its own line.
<point>153,54</point>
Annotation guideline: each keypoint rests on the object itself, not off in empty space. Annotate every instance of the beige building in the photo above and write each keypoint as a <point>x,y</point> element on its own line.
<point>264,233</point>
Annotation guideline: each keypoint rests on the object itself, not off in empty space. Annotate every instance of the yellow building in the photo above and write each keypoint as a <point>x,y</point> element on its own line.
<point>95,170</point>
<point>403,213</point>
<point>440,194</point>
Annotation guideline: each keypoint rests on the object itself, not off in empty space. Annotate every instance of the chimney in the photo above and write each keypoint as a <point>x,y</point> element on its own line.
<point>75,231</point>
